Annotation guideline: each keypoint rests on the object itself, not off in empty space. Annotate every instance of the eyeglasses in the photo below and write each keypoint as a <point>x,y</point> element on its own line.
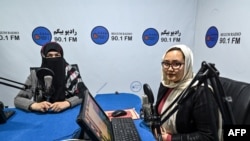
<point>174,65</point>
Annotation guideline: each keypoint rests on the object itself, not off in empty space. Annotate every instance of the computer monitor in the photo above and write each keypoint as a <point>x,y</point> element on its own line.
<point>93,121</point>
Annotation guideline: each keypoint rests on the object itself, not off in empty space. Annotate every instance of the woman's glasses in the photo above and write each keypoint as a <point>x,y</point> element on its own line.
<point>174,65</point>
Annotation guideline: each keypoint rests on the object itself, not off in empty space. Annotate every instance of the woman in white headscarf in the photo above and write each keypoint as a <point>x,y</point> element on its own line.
<point>197,118</point>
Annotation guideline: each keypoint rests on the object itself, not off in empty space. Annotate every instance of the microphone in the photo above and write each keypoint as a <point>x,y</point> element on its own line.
<point>144,100</point>
<point>153,120</point>
<point>48,82</point>
<point>147,110</point>
<point>48,86</point>
<point>45,78</point>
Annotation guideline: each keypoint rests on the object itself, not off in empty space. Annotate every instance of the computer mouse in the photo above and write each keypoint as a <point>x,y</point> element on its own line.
<point>118,113</point>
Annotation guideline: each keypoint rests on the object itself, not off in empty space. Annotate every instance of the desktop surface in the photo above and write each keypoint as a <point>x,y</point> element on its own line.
<point>126,101</point>
<point>35,126</point>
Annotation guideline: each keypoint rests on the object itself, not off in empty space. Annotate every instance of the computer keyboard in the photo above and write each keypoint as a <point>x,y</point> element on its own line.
<point>124,129</point>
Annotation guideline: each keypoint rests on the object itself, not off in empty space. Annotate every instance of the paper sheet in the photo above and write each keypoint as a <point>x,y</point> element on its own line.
<point>130,113</point>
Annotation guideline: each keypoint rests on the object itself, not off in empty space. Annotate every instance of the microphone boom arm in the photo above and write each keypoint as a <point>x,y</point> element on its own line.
<point>207,73</point>
<point>14,86</point>
<point>40,73</point>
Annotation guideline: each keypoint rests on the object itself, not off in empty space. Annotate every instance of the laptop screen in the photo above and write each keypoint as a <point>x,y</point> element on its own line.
<point>93,120</point>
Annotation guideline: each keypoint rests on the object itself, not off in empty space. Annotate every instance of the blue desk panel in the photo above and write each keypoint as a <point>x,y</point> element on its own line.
<point>32,126</point>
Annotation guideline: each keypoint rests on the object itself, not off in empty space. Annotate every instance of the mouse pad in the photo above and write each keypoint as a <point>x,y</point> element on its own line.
<point>130,113</point>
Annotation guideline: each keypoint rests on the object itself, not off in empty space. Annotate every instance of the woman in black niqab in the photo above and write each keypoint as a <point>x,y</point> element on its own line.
<point>57,65</point>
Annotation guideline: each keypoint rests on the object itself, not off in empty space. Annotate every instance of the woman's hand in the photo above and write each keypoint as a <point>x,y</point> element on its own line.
<point>59,106</point>
<point>41,106</point>
<point>164,134</point>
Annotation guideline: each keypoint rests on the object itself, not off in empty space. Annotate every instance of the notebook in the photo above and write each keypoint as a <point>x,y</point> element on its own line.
<point>96,124</point>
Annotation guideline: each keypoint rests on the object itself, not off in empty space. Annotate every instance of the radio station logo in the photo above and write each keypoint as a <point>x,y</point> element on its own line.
<point>41,35</point>
<point>99,35</point>
<point>135,86</point>
<point>212,36</point>
<point>150,36</point>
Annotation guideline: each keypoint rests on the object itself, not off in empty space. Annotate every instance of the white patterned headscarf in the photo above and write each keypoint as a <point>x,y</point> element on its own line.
<point>178,87</point>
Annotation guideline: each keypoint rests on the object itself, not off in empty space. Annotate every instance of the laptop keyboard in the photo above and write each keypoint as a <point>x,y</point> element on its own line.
<point>124,129</point>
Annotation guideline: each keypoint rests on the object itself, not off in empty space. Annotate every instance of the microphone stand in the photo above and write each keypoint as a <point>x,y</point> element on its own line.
<point>155,122</point>
<point>17,87</point>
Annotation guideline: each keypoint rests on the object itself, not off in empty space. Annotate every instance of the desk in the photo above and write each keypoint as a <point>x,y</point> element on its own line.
<point>32,126</point>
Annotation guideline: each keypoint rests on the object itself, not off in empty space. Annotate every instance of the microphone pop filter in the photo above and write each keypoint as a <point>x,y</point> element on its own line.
<point>147,90</point>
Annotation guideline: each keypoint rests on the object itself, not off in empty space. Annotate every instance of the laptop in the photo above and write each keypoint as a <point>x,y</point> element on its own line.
<point>96,124</point>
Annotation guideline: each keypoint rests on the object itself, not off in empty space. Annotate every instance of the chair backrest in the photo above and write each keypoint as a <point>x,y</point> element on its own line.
<point>75,66</point>
<point>34,68</point>
<point>240,94</point>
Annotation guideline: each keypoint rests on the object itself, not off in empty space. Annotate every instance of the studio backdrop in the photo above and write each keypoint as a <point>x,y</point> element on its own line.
<point>118,45</point>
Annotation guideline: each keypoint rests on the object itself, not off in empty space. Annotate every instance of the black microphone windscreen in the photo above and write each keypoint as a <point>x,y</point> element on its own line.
<point>44,72</point>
